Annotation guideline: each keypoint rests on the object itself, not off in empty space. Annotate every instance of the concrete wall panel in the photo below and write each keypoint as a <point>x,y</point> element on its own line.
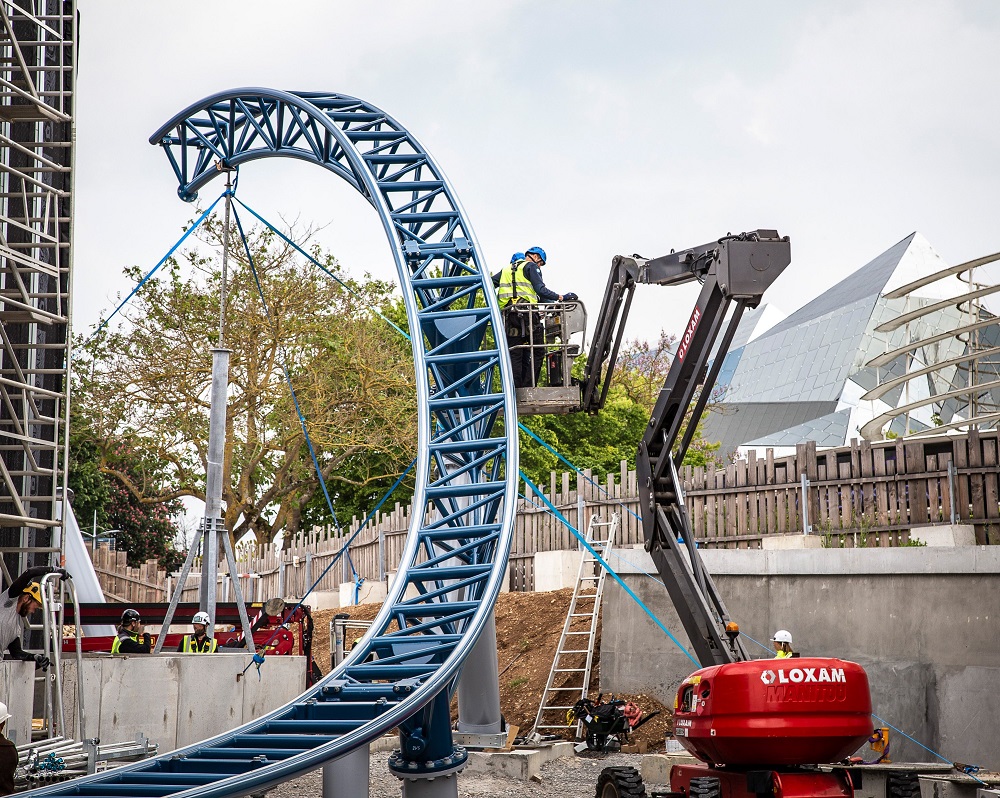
<point>137,694</point>
<point>177,700</point>
<point>16,688</point>
<point>210,699</point>
<point>969,700</point>
<point>924,622</point>
<point>280,680</point>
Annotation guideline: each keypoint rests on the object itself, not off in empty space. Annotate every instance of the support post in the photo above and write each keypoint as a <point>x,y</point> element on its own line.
<point>428,761</point>
<point>213,487</point>
<point>348,774</point>
<point>479,686</point>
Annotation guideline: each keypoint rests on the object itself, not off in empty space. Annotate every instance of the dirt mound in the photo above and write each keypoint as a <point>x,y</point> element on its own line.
<point>528,630</point>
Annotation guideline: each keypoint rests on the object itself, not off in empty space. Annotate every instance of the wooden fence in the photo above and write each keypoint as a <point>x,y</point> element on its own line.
<point>865,494</point>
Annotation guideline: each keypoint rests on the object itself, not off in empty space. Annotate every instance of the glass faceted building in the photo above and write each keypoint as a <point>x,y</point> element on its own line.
<point>830,371</point>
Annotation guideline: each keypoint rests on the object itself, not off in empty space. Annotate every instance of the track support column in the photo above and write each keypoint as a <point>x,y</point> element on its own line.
<point>349,773</point>
<point>479,686</point>
<point>428,761</point>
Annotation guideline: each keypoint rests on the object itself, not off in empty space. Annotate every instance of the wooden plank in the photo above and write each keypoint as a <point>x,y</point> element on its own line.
<point>754,522</point>
<point>990,461</point>
<point>933,484</point>
<point>769,498</point>
<point>977,490</point>
<point>845,499</point>
<point>961,479</point>
<point>709,530</point>
<point>731,502</point>
<point>866,485</point>
<point>742,498</point>
<point>916,487</point>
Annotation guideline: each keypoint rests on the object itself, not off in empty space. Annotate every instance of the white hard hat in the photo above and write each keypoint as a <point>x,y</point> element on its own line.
<point>202,618</point>
<point>782,636</point>
<point>4,714</point>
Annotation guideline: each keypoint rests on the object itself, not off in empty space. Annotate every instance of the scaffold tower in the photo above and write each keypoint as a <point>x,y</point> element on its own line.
<point>37,78</point>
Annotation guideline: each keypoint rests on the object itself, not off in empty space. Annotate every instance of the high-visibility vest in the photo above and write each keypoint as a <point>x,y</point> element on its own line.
<point>515,286</point>
<point>192,646</point>
<point>782,654</point>
<point>117,644</point>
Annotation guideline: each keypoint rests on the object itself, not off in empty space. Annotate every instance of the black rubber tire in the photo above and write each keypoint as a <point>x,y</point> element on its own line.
<point>902,785</point>
<point>705,787</point>
<point>623,782</point>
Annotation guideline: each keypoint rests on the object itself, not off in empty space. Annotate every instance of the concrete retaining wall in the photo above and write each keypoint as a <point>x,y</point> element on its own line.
<point>16,691</point>
<point>176,700</point>
<point>924,622</point>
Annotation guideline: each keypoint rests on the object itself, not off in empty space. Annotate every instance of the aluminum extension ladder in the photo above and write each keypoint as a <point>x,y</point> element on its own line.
<point>569,678</point>
<point>54,722</point>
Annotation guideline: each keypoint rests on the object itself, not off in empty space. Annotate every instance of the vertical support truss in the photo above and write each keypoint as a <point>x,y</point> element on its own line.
<point>37,80</point>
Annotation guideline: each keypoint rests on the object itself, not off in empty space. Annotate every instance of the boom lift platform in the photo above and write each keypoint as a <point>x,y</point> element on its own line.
<point>759,726</point>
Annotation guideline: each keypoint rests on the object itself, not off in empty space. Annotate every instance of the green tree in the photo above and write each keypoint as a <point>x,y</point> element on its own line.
<point>146,385</point>
<point>142,529</point>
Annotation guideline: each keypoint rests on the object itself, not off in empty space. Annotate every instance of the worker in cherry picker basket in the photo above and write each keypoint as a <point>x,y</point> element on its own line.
<point>199,642</point>
<point>519,288</point>
<point>782,641</point>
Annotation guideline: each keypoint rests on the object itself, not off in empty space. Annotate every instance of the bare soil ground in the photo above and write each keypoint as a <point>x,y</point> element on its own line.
<point>528,630</point>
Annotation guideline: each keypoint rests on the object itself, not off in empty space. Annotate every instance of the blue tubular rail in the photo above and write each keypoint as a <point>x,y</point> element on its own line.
<point>405,670</point>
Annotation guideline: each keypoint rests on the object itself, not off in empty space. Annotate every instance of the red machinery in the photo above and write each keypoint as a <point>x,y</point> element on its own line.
<point>796,711</point>
<point>273,629</point>
<point>757,724</point>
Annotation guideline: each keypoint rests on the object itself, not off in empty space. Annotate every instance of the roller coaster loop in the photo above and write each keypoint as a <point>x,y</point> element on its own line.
<point>404,671</point>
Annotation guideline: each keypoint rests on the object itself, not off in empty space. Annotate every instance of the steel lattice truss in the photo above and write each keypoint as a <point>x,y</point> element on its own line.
<point>456,552</point>
<point>37,67</point>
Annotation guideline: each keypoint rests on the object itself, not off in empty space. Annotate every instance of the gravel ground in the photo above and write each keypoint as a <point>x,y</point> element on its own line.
<point>568,777</point>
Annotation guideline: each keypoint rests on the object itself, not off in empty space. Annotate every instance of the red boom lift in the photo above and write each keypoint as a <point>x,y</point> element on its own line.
<point>760,727</point>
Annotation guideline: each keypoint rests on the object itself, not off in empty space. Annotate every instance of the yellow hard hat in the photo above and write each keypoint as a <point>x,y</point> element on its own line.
<point>34,589</point>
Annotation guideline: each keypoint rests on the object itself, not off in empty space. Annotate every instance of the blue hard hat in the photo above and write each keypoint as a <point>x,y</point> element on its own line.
<point>516,257</point>
<point>537,251</point>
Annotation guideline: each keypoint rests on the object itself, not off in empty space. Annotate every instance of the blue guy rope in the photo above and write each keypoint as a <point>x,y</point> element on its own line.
<point>319,265</point>
<point>608,568</point>
<point>598,485</point>
<point>288,377</point>
<point>153,271</point>
<point>964,769</point>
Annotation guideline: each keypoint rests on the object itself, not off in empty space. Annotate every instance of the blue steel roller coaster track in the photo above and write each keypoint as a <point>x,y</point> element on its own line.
<point>405,670</point>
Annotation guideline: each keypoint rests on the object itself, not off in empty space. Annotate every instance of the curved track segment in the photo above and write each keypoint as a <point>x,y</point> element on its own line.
<point>405,669</point>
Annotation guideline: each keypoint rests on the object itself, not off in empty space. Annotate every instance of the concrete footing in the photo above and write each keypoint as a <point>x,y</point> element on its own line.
<point>555,570</point>
<point>655,768</point>
<point>945,534</point>
<point>521,764</point>
<point>787,542</point>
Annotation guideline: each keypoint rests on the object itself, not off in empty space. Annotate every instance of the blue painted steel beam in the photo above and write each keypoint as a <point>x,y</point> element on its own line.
<point>466,476</point>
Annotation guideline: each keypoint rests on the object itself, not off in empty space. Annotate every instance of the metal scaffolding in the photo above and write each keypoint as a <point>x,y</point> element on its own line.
<point>38,40</point>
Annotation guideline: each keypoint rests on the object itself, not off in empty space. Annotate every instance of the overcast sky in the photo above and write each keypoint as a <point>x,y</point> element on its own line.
<point>588,128</point>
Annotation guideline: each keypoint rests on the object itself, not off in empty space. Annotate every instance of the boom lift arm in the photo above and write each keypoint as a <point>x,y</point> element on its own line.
<point>736,269</point>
